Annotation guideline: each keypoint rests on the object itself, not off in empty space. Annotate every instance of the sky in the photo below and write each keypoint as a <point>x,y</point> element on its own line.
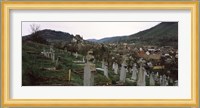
<point>91,30</point>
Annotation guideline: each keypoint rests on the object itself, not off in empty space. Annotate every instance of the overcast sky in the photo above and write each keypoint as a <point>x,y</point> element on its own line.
<point>91,30</point>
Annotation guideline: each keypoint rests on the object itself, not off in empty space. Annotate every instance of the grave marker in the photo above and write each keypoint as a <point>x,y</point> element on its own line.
<point>134,71</point>
<point>89,70</point>
<point>141,75</point>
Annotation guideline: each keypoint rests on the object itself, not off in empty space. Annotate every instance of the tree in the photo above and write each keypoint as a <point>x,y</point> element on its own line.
<point>34,28</point>
<point>35,35</point>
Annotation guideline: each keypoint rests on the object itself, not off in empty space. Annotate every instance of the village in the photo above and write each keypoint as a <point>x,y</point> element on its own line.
<point>121,64</point>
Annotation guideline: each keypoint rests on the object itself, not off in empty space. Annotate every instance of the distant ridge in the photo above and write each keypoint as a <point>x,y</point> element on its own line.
<point>163,34</point>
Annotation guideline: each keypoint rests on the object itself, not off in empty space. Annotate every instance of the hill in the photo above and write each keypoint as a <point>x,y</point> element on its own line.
<point>49,36</point>
<point>163,34</point>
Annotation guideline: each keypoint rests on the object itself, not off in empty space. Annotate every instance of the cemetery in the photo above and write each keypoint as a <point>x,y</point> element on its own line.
<point>54,58</point>
<point>98,65</point>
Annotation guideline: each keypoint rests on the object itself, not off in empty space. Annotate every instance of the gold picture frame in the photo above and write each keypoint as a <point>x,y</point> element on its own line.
<point>7,6</point>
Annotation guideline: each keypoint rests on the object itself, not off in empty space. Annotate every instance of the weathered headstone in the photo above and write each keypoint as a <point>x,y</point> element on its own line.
<point>69,76</point>
<point>164,81</point>
<point>106,70</point>
<point>127,70</point>
<point>48,54</point>
<point>141,75</point>
<point>150,64</point>
<point>151,80</point>
<point>116,68</point>
<point>156,76</point>
<point>65,50</point>
<point>122,77</point>
<point>44,52</point>
<point>52,53</point>
<point>176,83</point>
<point>83,60</point>
<point>170,81</point>
<point>89,70</point>
<point>113,66</point>
<point>102,64</point>
<point>53,56</point>
<point>57,62</point>
<point>160,80</point>
<point>76,55</point>
<point>134,71</point>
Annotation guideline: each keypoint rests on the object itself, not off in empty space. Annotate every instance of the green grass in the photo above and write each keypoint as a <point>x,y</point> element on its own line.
<point>34,72</point>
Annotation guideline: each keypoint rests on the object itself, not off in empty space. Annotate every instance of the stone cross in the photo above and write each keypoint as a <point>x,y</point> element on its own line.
<point>89,70</point>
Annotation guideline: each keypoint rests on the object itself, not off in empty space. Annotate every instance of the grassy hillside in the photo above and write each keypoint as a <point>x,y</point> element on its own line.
<point>35,68</point>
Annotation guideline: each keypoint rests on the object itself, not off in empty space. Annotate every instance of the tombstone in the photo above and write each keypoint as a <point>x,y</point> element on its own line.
<point>44,53</point>
<point>176,83</point>
<point>116,68</point>
<point>151,80</point>
<point>122,77</point>
<point>150,64</point>
<point>141,75</point>
<point>160,80</point>
<point>69,75</point>
<point>57,62</point>
<point>94,61</point>
<point>48,55</point>
<point>141,49</point>
<point>52,53</point>
<point>106,70</point>
<point>103,64</point>
<point>156,76</point>
<point>83,60</point>
<point>164,81</point>
<point>51,48</point>
<point>127,70</point>
<point>113,66</point>
<point>134,71</point>
<point>76,55</point>
<point>89,70</point>
<point>65,50</point>
<point>170,81</point>
<point>53,56</point>
<point>147,53</point>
